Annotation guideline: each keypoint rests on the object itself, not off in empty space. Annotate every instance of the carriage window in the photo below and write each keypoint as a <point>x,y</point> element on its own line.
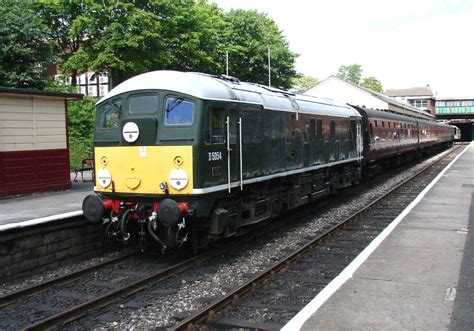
<point>383,124</point>
<point>179,112</point>
<point>389,124</point>
<point>376,124</point>
<point>332,129</point>
<point>215,133</point>
<point>109,114</point>
<point>371,129</point>
<point>319,129</point>
<point>312,129</point>
<point>143,104</point>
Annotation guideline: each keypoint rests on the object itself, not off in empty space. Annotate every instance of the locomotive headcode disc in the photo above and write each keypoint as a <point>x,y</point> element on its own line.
<point>130,132</point>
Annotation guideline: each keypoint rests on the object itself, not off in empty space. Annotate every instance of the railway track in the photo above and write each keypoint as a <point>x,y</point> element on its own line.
<point>124,276</point>
<point>271,298</point>
<point>70,297</point>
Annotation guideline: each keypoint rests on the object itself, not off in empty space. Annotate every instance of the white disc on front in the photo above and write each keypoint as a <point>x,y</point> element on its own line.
<point>104,178</point>
<point>130,132</point>
<point>178,179</point>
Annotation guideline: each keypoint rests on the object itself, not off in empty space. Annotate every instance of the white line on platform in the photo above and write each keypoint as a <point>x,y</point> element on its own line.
<point>41,220</point>
<point>299,319</point>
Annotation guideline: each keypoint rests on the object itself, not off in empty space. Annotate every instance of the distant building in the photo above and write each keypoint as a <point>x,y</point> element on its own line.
<point>419,97</point>
<point>459,112</point>
<point>89,84</point>
<point>338,89</point>
<point>449,108</point>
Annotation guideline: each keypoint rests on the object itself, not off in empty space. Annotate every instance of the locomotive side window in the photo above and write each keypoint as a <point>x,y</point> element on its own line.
<point>215,132</point>
<point>143,104</point>
<point>179,112</point>
<point>319,129</point>
<point>252,126</point>
<point>109,115</point>
<point>332,130</point>
<point>312,129</point>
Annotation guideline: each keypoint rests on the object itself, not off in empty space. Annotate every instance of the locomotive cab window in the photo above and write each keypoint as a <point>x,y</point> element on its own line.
<point>109,114</point>
<point>215,131</point>
<point>143,104</point>
<point>178,111</point>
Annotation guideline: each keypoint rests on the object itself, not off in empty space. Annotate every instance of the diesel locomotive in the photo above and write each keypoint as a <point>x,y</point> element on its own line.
<point>194,157</point>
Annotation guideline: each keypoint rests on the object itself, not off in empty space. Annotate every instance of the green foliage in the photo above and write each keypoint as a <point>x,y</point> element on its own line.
<point>303,83</point>
<point>125,38</point>
<point>59,17</point>
<point>352,73</point>
<point>248,37</point>
<point>372,83</point>
<point>25,51</point>
<point>81,123</point>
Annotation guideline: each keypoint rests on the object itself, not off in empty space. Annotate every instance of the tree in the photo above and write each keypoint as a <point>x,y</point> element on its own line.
<point>248,37</point>
<point>25,50</point>
<point>302,84</point>
<point>372,83</point>
<point>127,38</point>
<point>351,73</point>
<point>81,123</point>
<point>121,39</point>
<point>59,17</point>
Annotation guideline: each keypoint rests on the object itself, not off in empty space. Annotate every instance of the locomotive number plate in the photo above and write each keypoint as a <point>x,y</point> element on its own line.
<point>215,156</point>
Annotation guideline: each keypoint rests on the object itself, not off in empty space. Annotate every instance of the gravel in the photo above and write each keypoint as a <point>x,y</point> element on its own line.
<point>164,303</point>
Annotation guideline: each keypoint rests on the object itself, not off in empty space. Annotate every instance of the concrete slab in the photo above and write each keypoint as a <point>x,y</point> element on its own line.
<point>381,305</point>
<point>24,208</point>
<point>426,238</point>
<point>411,281</point>
<point>413,265</point>
<point>435,219</point>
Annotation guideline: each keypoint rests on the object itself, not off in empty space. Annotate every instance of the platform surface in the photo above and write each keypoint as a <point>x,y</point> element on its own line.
<point>421,277</point>
<point>25,208</point>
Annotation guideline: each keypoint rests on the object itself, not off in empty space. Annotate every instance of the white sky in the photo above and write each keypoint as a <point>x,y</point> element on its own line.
<point>403,43</point>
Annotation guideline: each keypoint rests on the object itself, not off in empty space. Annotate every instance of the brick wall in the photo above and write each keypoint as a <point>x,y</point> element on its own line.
<point>47,246</point>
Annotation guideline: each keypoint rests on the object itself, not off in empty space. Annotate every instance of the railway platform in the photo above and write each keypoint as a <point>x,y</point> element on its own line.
<point>17,212</point>
<point>417,274</point>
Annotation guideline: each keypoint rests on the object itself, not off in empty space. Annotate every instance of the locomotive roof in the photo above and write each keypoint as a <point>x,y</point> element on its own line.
<point>226,88</point>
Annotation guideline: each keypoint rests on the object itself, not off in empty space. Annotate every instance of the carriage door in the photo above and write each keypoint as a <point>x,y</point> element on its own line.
<point>233,141</point>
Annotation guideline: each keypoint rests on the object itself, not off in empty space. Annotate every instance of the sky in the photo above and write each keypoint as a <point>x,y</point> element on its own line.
<point>403,43</point>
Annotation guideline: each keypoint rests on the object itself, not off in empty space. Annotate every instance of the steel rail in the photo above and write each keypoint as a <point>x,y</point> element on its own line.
<point>77,311</point>
<point>207,313</point>
<point>12,297</point>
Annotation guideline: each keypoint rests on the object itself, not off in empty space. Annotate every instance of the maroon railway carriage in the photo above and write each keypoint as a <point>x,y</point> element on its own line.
<point>388,135</point>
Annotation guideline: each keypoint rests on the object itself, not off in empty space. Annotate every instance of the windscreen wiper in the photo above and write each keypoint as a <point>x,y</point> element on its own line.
<point>173,105</point>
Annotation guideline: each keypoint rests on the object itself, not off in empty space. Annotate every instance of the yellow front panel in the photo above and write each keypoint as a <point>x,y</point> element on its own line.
<point>141,169</point>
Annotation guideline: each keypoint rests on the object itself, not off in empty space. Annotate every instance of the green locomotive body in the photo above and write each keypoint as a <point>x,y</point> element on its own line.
<point>180,155</point>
